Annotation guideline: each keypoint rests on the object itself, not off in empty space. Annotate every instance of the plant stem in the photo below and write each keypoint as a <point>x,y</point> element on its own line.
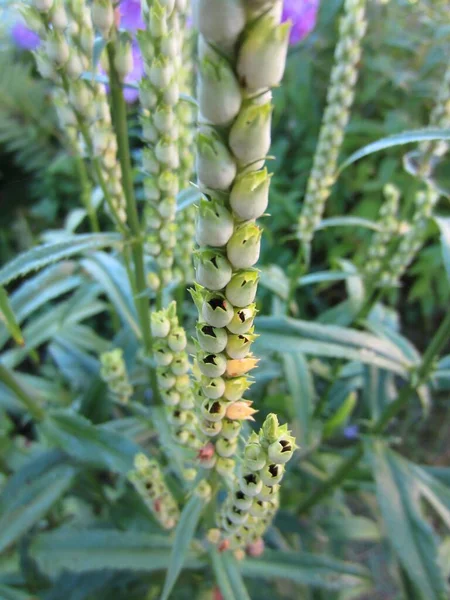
<point>28,401</point>
<point>86,191</point>
<point>138,282</point>
<point>300,266</point>
<point>434,349</point>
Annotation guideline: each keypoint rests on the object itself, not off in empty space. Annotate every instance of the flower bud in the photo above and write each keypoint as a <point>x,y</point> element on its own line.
<point>226,448</point>
<point>218,92</point>
<point>272,474</point>
<point>250,134</point>
<point>282,450</point>
<point>270,430</point>
<point>250,483</point>
<point>254,455</point>
<point>167,208</point>
<point>180,364</point>
<point>149,131</point>
<point>211,339</point>
<point>158,20</point>
<point>211,365</point>
<point>262,57</point>
<point>177,339</point>
<point>182,383</point>
<point>241,500</point>
<point>164,119</point>
<point>214,224</point>
<point>203,490</point>
<point>57,49</point>
<point>43,5</point>
<point>249,195</point>
<point>79,96</point>
<point>166,151</point>
<point>147,95</point>
<point>241,366</point>
<point>153,281</point>
<point>160,325</point>
<point>170,397</point>
<point>235,388</point>
<point>216,168</point>
<point>149,161</point>
<point>103,16</point>
<point>161,72</point>
<point>216,310</point>
<point>230,429</point>
<point>165,379</point>
<point>244,246</point>
<point>123,59</point>
<point>243,319</point>
<point>268,492</point>
<point>225,467</point>
<point>241,289</point>
<point>58,16</point>
<point>171,96</point>
<point>238,346</point>
<point>220,22</point>
<point>241,411</point>
<point>213,388</point>
<point>213,270</point>
<point>210,428</point>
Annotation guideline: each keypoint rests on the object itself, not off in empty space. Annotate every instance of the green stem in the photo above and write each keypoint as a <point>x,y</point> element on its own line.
<point>28,401</point>
<point>86,191</point>
<point>138,282</point>
<point>299,267</point>
<point>434,349</point>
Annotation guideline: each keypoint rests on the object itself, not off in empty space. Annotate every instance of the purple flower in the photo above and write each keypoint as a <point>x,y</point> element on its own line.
<point>351,432</point>
<point>303,14</point>
<point>24,37</point>
<point>135,75</point>
<point>130,15</point>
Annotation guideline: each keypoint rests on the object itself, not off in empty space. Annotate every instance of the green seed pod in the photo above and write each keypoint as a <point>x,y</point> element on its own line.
<point>166,380</point>
<point>180,364</point>
<point>177,339</point>
<point>241,500</point>
<point>250,134</point>
<point>213,270</point>
<point>254,455</point>
<point>213,388</point>
<point>160,325</point>
<point>249,195</point>
<point>258,508</point>
<point>238,346</point>
<point>214,223</point>
<point>43,5</point>
<point>102,12</point>
<point>183,383</point>
<point>235,388</point>
<point>210,428</point>
<point>272,474</point>
<point>230,429</point>
<point>241,289</point>
<point>123,60</point>
<point>244,246</point>
<point>282,450</point>
<point>215,165</point>
<point>175,416</point>
<point>166,151</point>
<point>250,483</point>
<point>161,72</point>
<point>213,410</point>
<point>216,310</point>
<point>243,319</point>
<point>147,95</point>
<point>164,118</point>
<point>57,49</point>
<point>262,57</point>
<point>162,356</point>
<point>218,92</point>
<point>211,365</point>
<point>226,448</point>
<point>268,492</point>
<point>211,339</point>
<point>225,467</point>
<point>236,515</point>
<point>220,22</point>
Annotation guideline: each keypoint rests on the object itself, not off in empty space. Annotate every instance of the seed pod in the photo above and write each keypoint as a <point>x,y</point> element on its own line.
<point>211,339</point>
<point>258,508</point>
<point>103,16</point>
<point>57,49</point>
<point>210,428</point>
<point>214,223</point>
<point>216,310</point>
<point>182,383</point>
<point>238,346</point>
<point>161,72</point>
<point>254,455</point>
<point>243,319</point>
<point>226,448</point>
<point>170,397</point>
<point>250,133</point>
<point>241,500</point>
<point>230,429</point>
<point>160,325</point>
<point>241,289</point>
<point>218,92</point>
<point>225,467</point>
<point>213,388</point>
<point>249,195</point>
<point>272,474</point>
<point>268,492</point>
<point>180,364</point>
<point>216,167</point>
<point>220,22</point>
<point>166,380</point>
<point>244,246</point>
<point>43,5</point>
<point>213,270</point>
<point>282,450</point>
<point>123,60</point>
<point>177,339</point>
<point>163,358</point>
<point>237,515</point>
<point>262,57</point>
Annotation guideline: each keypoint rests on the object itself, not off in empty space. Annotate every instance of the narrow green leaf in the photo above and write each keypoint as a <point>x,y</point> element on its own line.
<point>88,443</point>
<point>187,198</point>
<point>348,222</point>
<point>44,255</point>
<point>184,534</point>
<point>306,569</point>
<point>26,499</point>
<point>399,139</point>
<point>410,535</point>
<point>92,550</point>
<point>444,227</point>
<point>434,491</point>
<point>323,277</point>
<point>228,576</point>
<point>341,416</point>
<point>8,317</point>
<point>352,528</point>
<point>301,388</point>
<point>12,593</point>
